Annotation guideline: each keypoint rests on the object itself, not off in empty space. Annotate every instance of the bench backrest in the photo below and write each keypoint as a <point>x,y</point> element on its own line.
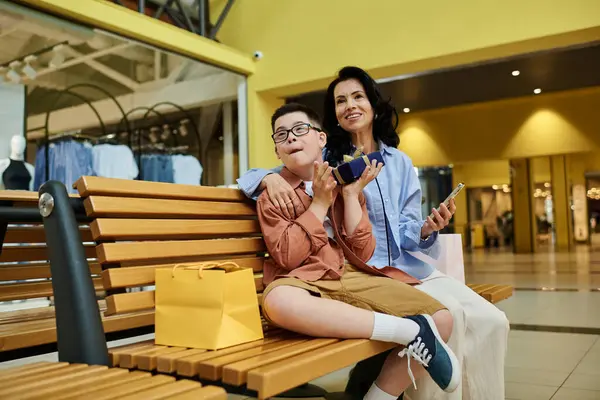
<point>24,269</point>
<point>139,226</point>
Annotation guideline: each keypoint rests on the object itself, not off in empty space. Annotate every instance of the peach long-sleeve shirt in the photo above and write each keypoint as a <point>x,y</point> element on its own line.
<point>301,248</point>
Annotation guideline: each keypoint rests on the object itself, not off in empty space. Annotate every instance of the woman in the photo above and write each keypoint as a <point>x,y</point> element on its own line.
<point>356,115</point>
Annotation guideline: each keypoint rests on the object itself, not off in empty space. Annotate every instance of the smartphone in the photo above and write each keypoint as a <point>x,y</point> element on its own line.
<point>452,195</point>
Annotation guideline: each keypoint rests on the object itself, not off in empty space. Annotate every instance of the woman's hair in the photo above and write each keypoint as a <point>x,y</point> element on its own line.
<point>385,120</point>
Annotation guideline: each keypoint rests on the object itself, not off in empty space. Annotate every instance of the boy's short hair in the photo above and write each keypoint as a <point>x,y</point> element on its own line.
<point>288,108</point>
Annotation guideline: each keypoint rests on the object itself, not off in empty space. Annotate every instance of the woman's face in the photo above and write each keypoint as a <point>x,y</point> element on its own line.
<point>352,107</point>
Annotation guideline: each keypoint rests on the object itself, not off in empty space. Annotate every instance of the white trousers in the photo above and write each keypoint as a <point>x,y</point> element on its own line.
<point>479,340</point>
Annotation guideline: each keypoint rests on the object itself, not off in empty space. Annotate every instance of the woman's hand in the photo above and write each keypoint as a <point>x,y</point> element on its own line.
<point>281,194</point>
<point>440,219</point>
<point>368,175</point>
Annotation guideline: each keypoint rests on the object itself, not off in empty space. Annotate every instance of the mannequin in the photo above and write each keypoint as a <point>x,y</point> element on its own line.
<point>16,174</point>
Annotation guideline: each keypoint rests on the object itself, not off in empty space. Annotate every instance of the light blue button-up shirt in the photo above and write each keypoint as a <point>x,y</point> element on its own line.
<point>399,203</point>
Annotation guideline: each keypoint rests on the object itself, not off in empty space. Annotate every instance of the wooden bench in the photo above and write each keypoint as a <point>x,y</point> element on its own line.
<point>63,381</point>
<point>139,226</point>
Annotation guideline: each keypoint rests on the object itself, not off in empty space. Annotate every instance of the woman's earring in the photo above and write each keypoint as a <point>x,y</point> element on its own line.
<point>338,124</point>
<point>376,115</point>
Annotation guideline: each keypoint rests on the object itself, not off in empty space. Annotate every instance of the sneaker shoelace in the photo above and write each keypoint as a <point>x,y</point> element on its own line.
<point>420,353</point>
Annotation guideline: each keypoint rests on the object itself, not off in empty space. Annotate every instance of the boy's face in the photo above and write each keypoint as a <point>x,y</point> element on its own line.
<point>299,153</point>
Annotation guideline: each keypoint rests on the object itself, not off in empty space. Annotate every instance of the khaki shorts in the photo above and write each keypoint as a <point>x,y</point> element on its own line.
<point>370,292</point>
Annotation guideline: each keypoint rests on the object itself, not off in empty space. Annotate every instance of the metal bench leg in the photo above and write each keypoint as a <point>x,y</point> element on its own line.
<point>79,330</point>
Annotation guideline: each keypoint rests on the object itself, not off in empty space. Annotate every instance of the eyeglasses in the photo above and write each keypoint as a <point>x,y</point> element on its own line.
<point>298,130</point>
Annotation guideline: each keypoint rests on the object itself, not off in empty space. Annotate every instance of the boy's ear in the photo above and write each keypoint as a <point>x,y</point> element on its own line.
<point>277,153</point>
<point>322,139</point>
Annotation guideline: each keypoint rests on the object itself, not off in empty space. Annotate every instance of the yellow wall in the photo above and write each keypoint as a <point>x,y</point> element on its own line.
<point>305,42</point>
<point>533,126</point>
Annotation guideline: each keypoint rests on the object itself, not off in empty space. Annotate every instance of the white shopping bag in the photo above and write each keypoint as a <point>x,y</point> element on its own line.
<point>451,261</point>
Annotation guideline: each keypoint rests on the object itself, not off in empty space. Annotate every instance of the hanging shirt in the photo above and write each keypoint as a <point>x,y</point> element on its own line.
<point>186,170</point>
<point>67,161</point>
<point>16,176</point>
<point>114,161</point>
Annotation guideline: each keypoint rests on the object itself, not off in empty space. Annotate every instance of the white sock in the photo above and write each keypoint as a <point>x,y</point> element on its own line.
<point>388,328</point>
<point>375,393</point>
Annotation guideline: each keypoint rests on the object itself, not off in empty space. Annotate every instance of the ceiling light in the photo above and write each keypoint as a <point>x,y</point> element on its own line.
<point>406,110</point>
<point>12,73</point>
<point>28,70</point>
<point>537,91</point>
<point>59,56</point>
<point>516,72</point>
<point>547,184</point>
<point>495,187</point>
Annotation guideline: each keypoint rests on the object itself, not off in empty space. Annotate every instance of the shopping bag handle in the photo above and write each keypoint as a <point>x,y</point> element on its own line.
<point>228,266</point>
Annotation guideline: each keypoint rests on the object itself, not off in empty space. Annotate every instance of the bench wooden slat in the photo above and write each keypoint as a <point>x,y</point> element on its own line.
<point>236,373</point>
<point>90,185</point>
<point>18,381</point>
<point>149,361</point>
<point>167,363</point>
<point>81,391</point>
<point>144,276</point>
<point>203,393</point>
<point>115,353</point>
<point>73,372</point>
<point>36,234</point>
<point>130,358</point>
<point>129,387</point>
<point>33,290</point>
<point>129,302</point>
<point>69,381</point>
<point>498,293</point>
<point>24,272</point>
<point>172,229</point>
<point>24,196</point>
<point>212,369</point>
<point>55,390</point>
<point>33,333</point>
<point>100,206</point>
<point>24,370</point>
<point>33,253</point>
<point>156,250</point>
<point>283,375</point>
<point>164,391</point>
<point>188,366</point>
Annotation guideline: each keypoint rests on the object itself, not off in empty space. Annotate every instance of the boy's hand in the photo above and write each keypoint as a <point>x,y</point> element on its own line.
<point>323,184</point>
<point>368,175</point>
<point>281,194</point>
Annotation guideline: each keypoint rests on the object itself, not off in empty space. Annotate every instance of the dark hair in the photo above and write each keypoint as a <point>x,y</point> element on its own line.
<point>289,108</point>
<point>385,122</point>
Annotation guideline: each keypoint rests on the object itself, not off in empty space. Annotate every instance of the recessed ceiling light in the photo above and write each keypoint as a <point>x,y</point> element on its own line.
<point>406,110</point>
<point>516,72</point>
<point>537,91</point>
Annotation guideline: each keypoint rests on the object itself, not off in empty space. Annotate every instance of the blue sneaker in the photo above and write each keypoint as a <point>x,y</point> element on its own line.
<point>429,350</point>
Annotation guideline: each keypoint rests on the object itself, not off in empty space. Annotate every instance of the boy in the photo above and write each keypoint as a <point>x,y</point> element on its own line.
<point>317,280</point>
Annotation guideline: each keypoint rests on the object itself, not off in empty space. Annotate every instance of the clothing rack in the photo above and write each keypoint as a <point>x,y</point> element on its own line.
<point>160,147</point>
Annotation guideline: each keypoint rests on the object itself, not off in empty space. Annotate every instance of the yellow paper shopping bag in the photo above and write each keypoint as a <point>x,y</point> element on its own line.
<point>206,306</point>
